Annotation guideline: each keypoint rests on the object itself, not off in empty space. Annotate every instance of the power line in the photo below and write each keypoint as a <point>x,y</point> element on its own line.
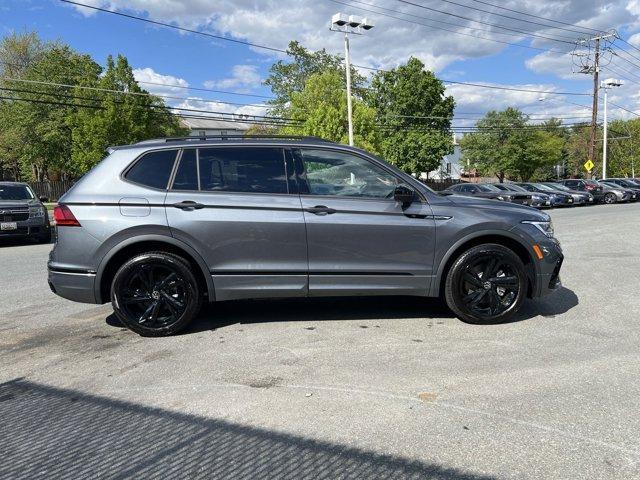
<point>443,12</point>
<point>537,16</point>
<point>172,85</point>
<point>495,87</point>
<point>503,42</point>
<point>284,51</point>
<point>175,27</point>
<point>141,94</point>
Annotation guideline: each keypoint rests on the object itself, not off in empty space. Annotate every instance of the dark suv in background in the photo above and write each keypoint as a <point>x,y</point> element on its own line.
<point>159,226</point>
<point>22,214</point>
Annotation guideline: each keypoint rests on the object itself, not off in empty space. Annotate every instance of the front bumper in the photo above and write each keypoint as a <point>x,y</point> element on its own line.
<point>73,285</point>
<point>33,227</point>
<point>548,272</point>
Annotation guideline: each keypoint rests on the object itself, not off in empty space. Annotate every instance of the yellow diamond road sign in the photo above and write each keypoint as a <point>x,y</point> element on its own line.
<point>589,165</point>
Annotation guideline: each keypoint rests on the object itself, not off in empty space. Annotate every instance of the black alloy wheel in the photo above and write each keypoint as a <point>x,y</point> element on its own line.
<point>610,198</point>
<point>487,284</point>
<point>155,294</point>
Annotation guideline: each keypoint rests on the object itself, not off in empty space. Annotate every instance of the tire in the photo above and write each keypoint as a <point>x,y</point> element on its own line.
<point>155,294</point>
<point>610,198</point>
<point>495,300</point>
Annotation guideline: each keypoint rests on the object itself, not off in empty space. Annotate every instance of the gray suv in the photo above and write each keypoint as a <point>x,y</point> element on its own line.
<point>159,226</point>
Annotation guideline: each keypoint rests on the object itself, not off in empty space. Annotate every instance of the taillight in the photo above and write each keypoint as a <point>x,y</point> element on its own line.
<point>64,217</point>
<point>590,187</point>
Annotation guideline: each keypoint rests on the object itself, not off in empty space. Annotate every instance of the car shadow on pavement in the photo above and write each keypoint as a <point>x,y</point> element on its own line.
<point>49,432</point>
<point>222,314</point>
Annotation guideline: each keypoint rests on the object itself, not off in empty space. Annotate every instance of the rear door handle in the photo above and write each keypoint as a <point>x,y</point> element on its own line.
<point>188,205</point>
<point>320,210</point>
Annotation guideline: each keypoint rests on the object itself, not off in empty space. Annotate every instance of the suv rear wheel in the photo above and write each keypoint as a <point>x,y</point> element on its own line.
<point>155,294</point>
<point>486,284</point>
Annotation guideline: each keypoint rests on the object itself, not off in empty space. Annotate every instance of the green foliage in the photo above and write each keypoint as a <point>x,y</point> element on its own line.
<point>289,77</point>
<point>51,131</point>
<point>624,148</point>
<point>415,115</point>
<point>321,110</point>
<point>506,145</point>
<point>120,118</point>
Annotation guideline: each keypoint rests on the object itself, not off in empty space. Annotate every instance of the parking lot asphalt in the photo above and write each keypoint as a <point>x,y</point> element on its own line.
<point>349,388</point>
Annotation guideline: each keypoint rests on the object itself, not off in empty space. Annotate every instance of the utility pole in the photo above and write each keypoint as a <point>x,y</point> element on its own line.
<point>593,68</point>
<point>594,109</point>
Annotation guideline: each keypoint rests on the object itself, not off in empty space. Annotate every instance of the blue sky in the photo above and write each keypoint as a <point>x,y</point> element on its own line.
<point>168,56</point>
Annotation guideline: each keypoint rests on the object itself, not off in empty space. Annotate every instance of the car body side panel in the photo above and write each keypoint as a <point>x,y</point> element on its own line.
<point>254,245</point>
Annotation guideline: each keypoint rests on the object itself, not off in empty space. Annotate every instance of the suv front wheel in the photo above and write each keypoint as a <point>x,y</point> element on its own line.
<point>486,284</point>
<point>155,294</point>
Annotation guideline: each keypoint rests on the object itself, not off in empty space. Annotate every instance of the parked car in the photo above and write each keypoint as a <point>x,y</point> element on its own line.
<point>159,226</point>
<point>480,190</point>
<point>622,194</point>
<point>538,200</point>
<point>581,185</point>
<point>558,198</point>
<point>22,214</point>
<point>626,183</point>
<point>579,198</point>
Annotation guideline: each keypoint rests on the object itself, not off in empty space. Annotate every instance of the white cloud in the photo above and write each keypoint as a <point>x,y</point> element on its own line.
<point>392,41</point>
<point>159,84</point>
<point>243,78</point>
<point>204,106</point>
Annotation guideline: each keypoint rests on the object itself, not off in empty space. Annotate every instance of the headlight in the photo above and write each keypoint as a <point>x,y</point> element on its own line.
<point>504,198</point>
<point>545,227</point>
<point>36,212</point>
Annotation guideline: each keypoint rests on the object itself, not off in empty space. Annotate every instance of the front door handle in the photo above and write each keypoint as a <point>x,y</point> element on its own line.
<point>320,210</point>
<point>188,205</point>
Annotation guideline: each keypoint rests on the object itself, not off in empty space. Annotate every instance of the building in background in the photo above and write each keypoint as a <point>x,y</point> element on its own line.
<point>200,127</point>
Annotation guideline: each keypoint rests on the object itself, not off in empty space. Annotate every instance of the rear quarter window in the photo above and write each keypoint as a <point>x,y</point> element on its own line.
<point>153,169</point>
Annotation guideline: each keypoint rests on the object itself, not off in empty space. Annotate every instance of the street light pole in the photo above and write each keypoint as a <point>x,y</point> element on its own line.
<point>605,137</point>
<point>606,85</point>
<point>349,24</point>
<point>348,73</point>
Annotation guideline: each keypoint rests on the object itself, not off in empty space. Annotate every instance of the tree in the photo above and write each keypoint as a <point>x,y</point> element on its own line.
<point>288,77</point>
<point>415,114</point>
<point>49,130</point>
<point>624,148</point>
<point>123,113</point>
<point>320,109</point>
<point>507,145</point>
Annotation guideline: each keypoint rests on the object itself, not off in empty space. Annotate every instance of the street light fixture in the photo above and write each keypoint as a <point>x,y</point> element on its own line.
<point>355,25</point>
<point>606,85</point>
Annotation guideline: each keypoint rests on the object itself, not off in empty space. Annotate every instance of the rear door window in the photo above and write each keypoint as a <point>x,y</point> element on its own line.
<point>153,169</point>
<point>235,169</point>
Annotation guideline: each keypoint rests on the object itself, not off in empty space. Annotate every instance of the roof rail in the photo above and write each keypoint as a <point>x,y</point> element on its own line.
<point>200,138</point>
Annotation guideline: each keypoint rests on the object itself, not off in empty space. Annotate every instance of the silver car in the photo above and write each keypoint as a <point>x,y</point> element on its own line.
<point>22,214</point>
<point>161,226</point>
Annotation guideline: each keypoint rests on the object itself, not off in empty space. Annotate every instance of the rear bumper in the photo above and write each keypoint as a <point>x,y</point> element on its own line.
<point>73,285</point>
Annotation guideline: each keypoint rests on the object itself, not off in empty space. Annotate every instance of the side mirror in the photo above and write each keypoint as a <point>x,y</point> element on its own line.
<point>44,199</point>
<point>404,195</point>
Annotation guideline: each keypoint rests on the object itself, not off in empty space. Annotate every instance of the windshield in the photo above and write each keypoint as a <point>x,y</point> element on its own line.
<point>628,183</point>
<point>562,187</point>
<point>544,187</point>
<point>488,188</point>
<point>515,188</point>
<point>15,192</point>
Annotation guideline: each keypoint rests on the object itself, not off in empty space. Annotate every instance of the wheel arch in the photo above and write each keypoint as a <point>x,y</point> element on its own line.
<point>504,238</point>
<point>124,250</point>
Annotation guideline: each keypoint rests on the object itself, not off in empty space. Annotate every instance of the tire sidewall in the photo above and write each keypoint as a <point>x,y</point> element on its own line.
<point>453,295</point>
<point>171,261</point>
